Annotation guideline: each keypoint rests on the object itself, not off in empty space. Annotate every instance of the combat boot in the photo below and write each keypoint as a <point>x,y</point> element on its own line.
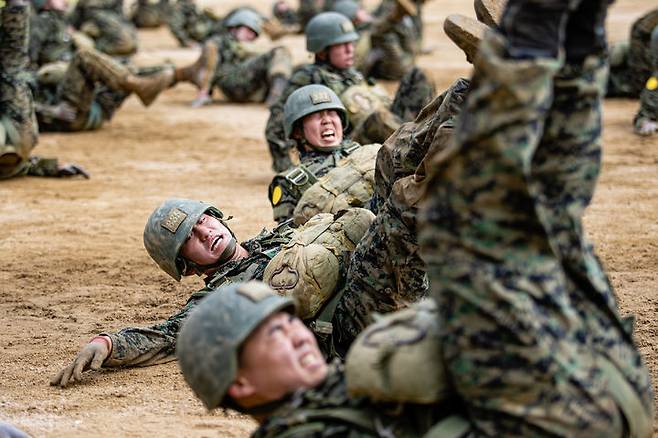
<point>201,72</point>
<point>277,85</point>
<point>489,11</point>
<point>148,88</point>
<point>465,32</point>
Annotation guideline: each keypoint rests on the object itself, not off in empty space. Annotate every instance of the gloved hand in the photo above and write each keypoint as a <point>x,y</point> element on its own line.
<point>645,127</point>
<point>71,170</point>
<point>91,357</point>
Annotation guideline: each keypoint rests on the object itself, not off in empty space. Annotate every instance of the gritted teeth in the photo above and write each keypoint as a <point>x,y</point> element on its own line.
<point>215,242</point>
<point>308,359</point>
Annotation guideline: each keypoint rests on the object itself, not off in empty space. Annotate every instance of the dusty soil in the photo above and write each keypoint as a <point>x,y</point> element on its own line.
<point>72,262</point>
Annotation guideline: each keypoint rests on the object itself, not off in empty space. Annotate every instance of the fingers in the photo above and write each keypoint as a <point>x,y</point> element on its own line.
<point>62,378</point>
<point>97,361</point>
<point>81,364</point>
<point>72,170</point>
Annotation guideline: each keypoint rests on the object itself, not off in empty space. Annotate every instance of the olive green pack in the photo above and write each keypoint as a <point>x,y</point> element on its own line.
<point>350,184</point>
<point>399,359</point>
<point>308,268</point>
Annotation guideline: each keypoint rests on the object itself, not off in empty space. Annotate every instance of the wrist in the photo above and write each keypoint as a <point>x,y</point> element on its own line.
<point>103,339</point>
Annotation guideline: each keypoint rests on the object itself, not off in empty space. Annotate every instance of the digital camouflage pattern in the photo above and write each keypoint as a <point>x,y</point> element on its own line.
<point>243,73</point>
<point>188,24</point>
<point>50,40</point>
<point>649,95</point>
<point>532,339</point>
<point>386,272</point>
<point>17,121</point>
<point>288,186</point>
<point>156,344</point>
<point>105,23</point>
<point>634,67</point>
<point>328,411</point>
<point>632,63</point>
<point>318,73</point>
<point>377,126</point>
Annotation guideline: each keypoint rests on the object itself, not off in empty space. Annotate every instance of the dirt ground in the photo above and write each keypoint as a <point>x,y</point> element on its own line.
<point>72,262</point>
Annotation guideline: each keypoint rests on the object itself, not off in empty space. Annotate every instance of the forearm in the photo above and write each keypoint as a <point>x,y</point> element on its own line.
<point>140,347</point>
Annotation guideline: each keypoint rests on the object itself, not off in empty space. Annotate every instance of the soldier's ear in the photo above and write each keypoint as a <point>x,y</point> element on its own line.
<point>241,389</point>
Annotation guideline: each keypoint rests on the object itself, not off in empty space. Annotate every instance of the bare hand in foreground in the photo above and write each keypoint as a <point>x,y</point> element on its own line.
<point>91,357</point>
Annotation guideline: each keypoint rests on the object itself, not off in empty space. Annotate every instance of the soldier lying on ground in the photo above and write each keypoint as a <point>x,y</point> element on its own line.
<point>634,71</point>
<point>78,89</point>
<point>315,119</point>
<point>186,237</point>
<point>244,349</point>
<point>330,36</point>
<point>531,336</point>
<point>18,126</point>
<point>238,70</point>
<point>105,23</point>
<point>388,44</point>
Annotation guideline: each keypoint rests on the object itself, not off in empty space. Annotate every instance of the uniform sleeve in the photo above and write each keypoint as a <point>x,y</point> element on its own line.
<point>38,166</point>
<point>150,345</point>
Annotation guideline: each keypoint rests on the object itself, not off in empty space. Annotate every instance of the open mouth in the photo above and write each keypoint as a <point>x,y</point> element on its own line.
<point>309,360</point>
<point>328,134</point>
<point>215,242</point>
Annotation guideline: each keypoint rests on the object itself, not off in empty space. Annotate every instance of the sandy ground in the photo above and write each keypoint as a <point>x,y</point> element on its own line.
<point>72,262</point>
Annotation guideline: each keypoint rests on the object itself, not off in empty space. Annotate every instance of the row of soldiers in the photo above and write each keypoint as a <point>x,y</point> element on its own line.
<point>525,338</point>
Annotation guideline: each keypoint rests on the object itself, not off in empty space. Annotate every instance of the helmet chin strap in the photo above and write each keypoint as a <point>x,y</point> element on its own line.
<point>224,257</point>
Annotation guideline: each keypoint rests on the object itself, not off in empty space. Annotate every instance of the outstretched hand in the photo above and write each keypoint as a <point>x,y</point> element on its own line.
<point>71,170</point>
<point>91,357</point>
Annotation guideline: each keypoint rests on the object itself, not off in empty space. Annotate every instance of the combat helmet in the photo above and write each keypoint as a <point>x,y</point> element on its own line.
<point>308,100</point>
<point>208,345</point>
<point>327,29</point>
<point>348,8</point>
<point>245,17</point>
<point>167,230</point>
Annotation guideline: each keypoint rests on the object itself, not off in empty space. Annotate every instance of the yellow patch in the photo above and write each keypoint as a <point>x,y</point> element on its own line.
<point>277,193</point>
<point>652,83</point>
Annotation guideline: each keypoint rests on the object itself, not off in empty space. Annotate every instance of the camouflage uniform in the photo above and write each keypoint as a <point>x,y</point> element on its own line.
<point>242,73</point>
<point>386,272</point>
<point>531,336</point>
<point>83,84</point>
<point>104,22</point>
<point>157,343</point>
<point>149,13</point>
<point>189,25</point>
<point>17,120</point>
<point>50,40</point>
<point>293,182</point>
<point>373,130</point>
<point>394,42</point>
<point>634,67</point>
<point>328,411</point>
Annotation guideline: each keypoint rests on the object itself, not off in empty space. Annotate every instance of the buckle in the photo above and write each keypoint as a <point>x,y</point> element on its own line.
<point>322,328</point>
<point>297,176</point>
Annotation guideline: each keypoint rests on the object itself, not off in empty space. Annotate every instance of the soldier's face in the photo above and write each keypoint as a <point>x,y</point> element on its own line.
<point>243,33</point>
<point>207,241</point>
<point>342,55</point>
<point>279,357</point>
<point>323,128</point>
